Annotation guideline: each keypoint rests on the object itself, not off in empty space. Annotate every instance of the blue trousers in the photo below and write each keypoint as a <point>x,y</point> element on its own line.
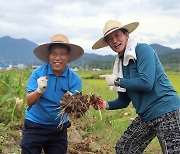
<point>51,139</point>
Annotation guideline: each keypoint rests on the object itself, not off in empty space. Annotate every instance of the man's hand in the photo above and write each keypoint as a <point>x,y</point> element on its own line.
<point>42,84</point>
<point>110,79</point>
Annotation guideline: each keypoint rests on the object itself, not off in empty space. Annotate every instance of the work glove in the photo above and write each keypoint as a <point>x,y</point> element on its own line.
<point>111,80</point>
<point>98,103</point>
<point>42,84</point>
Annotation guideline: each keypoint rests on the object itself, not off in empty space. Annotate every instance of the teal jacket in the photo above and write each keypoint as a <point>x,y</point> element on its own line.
<point>147,86</point>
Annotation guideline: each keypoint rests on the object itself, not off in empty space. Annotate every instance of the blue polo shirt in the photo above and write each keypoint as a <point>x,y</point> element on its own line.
<point>45,110</point>
<point>147,86</point>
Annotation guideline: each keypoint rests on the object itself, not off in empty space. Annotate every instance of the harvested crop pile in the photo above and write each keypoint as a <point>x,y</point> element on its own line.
<point>73,105</point>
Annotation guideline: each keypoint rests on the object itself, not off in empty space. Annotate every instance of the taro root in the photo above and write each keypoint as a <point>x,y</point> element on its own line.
<point>73,105</point>
<point>96,101</point>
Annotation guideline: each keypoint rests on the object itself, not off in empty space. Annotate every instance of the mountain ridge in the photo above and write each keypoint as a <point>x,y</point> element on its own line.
<point>15,51</point>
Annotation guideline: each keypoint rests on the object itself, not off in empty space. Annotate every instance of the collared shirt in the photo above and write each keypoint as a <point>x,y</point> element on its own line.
<point>45,110</point>
<point>147,86</point>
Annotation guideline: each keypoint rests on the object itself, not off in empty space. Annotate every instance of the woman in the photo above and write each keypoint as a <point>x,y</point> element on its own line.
<point>139,77</point>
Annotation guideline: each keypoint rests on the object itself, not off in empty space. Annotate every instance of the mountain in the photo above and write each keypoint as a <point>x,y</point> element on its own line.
<point>20,51</point>
<point>17,51</point>
<point>91,58</point>
<point>161,49</point>
<point>167,55</point>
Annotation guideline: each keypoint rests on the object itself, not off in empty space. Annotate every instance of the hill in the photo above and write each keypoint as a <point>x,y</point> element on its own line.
<point>161,49</point>
<point>17,51</point>
<point>90,61</point>
<point>20,51</point>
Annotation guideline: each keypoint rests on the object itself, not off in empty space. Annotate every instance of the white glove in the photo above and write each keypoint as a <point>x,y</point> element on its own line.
<point>109,79</point>
<point>42,84</point>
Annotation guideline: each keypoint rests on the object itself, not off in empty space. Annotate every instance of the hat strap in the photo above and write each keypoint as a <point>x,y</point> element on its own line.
<point>110,30</point>
<point>57,41</point>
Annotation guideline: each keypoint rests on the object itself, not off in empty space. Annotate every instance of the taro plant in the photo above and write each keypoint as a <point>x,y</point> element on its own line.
<point>12,94</point>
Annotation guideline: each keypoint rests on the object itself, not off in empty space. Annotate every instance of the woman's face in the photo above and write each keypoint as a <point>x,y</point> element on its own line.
<point>58,58</point>
<point>117,41</point>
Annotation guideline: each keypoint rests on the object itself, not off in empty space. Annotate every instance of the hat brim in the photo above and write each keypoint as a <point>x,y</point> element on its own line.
<point>42,52</point>
<point>102,43</point>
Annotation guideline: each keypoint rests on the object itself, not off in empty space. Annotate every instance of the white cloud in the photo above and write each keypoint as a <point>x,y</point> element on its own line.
<point>83,21</point>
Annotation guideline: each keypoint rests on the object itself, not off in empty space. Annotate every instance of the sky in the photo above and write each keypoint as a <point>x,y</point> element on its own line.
<point>82,21</point>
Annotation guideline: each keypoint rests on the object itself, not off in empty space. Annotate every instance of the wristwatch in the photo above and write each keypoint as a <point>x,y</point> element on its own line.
<point>117,82</point>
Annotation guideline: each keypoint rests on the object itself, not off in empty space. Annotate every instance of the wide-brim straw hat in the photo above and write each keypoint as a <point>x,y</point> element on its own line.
<point>42,51</point>
<point>110,27</point>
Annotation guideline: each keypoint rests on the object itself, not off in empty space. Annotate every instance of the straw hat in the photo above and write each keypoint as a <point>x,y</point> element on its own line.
<point>110,27</point>
<point>42,51</point>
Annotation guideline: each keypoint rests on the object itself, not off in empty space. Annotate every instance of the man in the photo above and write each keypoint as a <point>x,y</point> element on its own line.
<point>45,88</point>
<point>138,76</point>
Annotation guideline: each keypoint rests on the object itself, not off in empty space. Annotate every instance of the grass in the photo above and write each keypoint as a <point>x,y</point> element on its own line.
<point>174,78</point>
<point>108,129</point>
<point>114,123</point>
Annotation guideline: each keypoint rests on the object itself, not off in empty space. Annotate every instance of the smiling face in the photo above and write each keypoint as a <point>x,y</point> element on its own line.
<point>117,40</point>
<point>58,58</point>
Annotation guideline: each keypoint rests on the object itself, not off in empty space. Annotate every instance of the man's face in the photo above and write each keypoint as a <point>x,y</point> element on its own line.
<point>58,58</point>
<point>117,41</point>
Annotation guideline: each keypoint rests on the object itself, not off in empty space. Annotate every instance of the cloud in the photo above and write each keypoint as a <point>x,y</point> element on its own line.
<point>83,21</point>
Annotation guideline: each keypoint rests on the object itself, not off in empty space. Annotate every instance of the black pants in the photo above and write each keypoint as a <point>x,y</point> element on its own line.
<point>51,139</point>
<point>139,134</point>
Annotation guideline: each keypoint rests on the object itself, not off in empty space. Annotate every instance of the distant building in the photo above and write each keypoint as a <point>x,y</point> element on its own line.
<point>19,66</point>
<point>10,67</point>
<point>96,69</point>
<point>75,69</point>
<point>35,66</point>
<point>3,65</point>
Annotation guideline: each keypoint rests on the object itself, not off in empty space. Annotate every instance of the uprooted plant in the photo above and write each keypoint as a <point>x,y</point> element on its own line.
<point>96,101</point>
<point>73,105</point>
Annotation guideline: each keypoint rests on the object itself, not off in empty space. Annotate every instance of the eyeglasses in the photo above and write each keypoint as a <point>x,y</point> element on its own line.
<point>54,54</point>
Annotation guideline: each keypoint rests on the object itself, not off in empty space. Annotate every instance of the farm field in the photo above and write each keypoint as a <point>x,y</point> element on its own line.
<point>102,129</point>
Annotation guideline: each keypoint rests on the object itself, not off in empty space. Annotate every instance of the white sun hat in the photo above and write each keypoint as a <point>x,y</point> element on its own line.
<point>110,27</point>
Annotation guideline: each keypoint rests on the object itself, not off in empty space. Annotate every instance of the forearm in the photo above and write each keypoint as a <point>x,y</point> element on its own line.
<point>32,98</point>
<point>116,104</point>
<point>121,102</point>
<point>136,84</point>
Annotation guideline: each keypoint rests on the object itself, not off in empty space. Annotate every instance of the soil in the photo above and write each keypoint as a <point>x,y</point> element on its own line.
<point>76,106</point>
<point>78,145</point>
